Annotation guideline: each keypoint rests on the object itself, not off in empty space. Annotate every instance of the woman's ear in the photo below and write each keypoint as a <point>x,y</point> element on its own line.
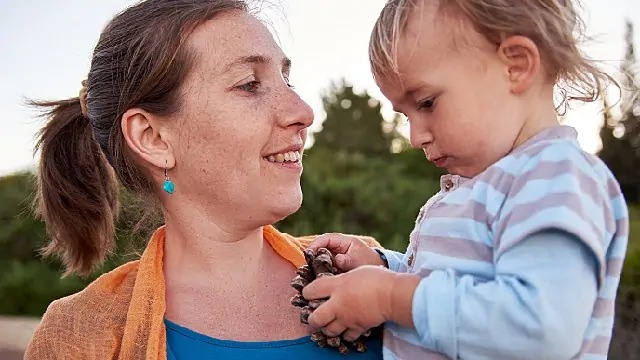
<point>147,138</point>
<point>521,58</point>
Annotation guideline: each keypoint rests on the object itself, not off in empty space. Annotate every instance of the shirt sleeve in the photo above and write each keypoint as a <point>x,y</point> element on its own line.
<point>558,189</point>
<point>537,306</point>
<point>394,258</point>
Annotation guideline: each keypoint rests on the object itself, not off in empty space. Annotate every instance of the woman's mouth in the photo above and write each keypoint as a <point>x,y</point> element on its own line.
<point>286,157</point>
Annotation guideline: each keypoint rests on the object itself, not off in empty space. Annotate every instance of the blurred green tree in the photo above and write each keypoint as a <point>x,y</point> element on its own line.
<point>354,124</point>
<point>28,282</point>
<point>621,138</point>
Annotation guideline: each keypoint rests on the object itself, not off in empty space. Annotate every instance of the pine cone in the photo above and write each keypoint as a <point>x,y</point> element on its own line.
<point>319,264</point>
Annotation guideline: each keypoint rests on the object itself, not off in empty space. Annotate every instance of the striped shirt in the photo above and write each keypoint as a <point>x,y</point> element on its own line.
<point>522,261</point>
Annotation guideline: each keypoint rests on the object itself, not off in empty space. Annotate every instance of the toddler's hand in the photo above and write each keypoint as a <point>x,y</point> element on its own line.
<point>350,252</point>
<point>358,300</point>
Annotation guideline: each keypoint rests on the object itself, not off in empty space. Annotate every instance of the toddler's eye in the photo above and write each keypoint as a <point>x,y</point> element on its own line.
<point>427,104</point>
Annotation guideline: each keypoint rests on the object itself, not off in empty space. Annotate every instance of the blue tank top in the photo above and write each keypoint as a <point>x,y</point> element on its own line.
<point>185,344</point>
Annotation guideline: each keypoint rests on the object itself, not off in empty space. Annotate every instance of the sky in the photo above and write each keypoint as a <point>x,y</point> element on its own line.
<point>46,45</point>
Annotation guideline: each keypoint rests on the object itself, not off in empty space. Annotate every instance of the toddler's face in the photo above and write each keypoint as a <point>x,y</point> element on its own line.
<point>455,90</point>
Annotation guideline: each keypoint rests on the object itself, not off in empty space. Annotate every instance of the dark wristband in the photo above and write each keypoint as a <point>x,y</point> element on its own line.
<point>383,257</point>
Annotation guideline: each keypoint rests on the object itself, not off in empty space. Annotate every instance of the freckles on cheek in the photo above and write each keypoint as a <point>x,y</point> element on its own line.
<point>197,151</point>
<point>204,165</point>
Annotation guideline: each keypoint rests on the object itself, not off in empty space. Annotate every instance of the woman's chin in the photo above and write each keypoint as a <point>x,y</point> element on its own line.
<point>285,205</point>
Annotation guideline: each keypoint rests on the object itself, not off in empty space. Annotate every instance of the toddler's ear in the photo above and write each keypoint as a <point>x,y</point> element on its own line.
<point>522,62</point>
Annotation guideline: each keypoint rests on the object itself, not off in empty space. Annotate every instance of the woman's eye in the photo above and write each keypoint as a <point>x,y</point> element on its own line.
<point>251,86</point>
<point>427,104</point>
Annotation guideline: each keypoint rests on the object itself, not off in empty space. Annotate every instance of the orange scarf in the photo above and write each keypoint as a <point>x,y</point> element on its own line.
<point>120,315</point>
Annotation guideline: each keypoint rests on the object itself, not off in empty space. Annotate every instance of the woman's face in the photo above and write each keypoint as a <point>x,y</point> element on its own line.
<point>240,133</point>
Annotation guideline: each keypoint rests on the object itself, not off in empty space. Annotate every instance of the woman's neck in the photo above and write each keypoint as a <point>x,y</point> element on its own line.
<point>225,282</point>
<point>202,248</point>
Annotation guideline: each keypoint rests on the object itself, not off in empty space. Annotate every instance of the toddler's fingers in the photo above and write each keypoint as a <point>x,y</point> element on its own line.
<point>320,288</point>
<point>322,316</point>
<point>336,243</point>
<point>345,262</point>
<point>352,334</point>
<point>335,328</point>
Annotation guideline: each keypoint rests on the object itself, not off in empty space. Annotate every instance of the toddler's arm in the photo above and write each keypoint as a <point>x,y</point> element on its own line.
<point>559,237</point>
<point>537,307</point>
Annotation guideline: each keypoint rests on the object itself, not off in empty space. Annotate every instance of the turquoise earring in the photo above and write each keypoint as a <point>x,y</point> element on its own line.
<point>168,186</point>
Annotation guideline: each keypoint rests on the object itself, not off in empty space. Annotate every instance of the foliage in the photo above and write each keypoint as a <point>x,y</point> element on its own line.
<point>621,137</point>
<point>28,282</point>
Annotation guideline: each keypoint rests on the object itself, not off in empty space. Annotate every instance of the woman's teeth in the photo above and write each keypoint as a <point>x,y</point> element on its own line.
<point>291,156</point>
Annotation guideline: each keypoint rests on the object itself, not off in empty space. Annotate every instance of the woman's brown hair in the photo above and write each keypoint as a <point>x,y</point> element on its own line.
<point>139,61</point>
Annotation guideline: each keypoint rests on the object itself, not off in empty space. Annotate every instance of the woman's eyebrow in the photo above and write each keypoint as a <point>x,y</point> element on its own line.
<point>257,59</point>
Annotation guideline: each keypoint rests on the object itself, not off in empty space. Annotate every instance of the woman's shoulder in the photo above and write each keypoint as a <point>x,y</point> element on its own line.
<point>93,316</point>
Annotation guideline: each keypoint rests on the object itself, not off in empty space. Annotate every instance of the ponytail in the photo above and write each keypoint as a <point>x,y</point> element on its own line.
<point>77,194</point>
